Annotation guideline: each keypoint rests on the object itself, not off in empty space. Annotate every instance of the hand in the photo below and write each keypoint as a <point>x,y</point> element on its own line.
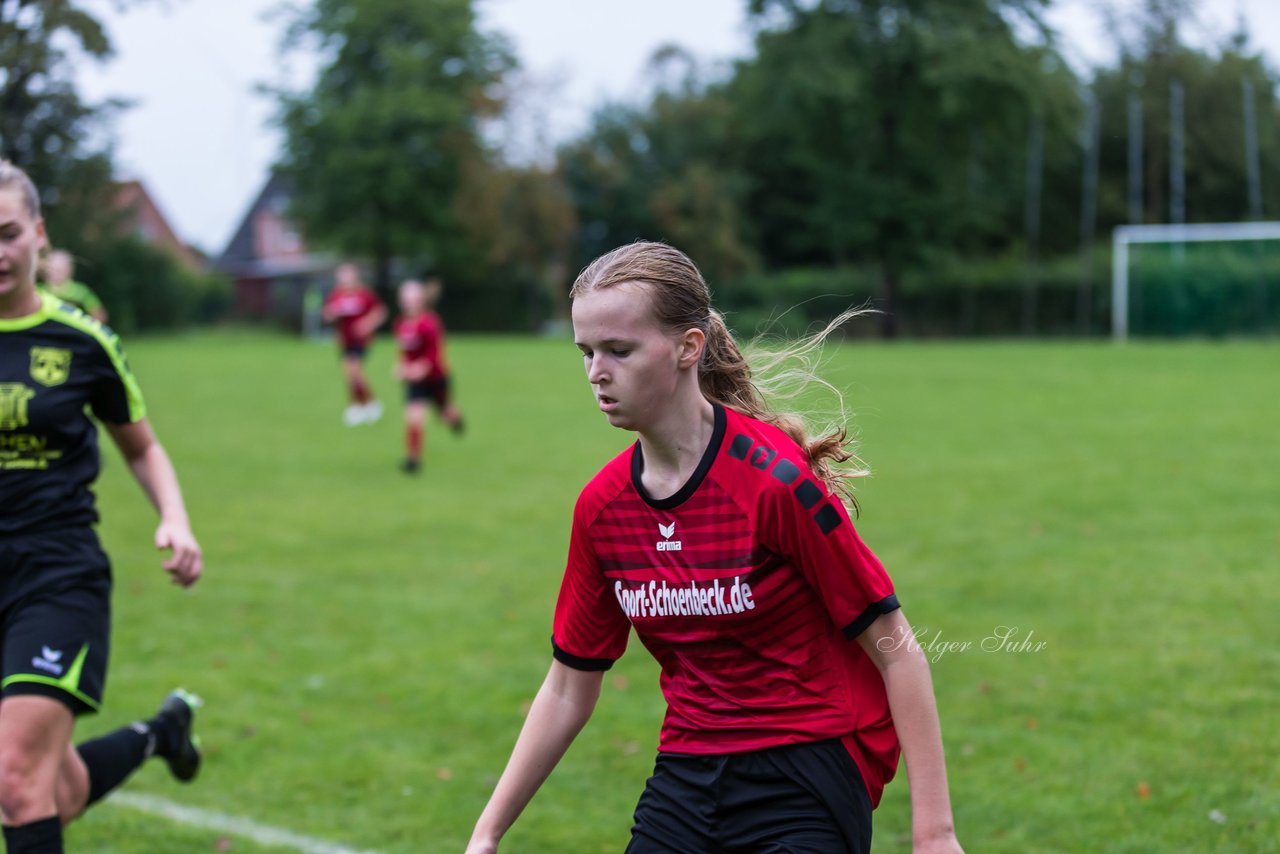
<point>186,562</point>
<point>482,846</point>
<point>941,844</point>
<point>367,327</point>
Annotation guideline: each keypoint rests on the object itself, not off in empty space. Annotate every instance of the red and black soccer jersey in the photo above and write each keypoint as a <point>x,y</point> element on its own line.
<point>53,364</point>
<point>421,340</point>
<point>749,586</point>
<point>347,307</point>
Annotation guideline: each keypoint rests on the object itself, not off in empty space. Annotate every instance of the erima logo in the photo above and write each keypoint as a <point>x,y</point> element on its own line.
<point>48,661</point>
<point>666,544</point>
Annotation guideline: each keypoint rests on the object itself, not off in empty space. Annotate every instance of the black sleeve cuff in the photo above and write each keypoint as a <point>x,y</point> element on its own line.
<point>570,660</point>
<point>869,616</point>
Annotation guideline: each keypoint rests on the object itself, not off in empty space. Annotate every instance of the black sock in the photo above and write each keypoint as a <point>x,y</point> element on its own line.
<point>111,758</point>
<point>35,837</point>
<point>165,732</point>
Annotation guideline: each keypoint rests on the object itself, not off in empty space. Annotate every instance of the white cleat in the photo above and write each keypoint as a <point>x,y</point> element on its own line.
<point>372,411</point>
<point>353,415</point>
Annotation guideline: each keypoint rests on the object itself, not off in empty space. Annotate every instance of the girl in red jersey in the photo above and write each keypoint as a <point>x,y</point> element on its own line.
<point>420,337</point>
<point>358,314</point>
<point>720,536</point>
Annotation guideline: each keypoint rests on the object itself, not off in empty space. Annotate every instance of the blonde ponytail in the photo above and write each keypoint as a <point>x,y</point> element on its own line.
<point>792,370</point>
<point>724,373</point>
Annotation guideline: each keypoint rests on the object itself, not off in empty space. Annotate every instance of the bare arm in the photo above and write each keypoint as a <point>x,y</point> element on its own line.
<point>154,472</point>
<point>559,712</point>
<point>915,716</point>
<point>370,322</point>
<point>327,312</point>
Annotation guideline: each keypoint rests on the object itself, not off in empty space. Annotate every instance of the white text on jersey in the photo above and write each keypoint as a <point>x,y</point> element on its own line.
<point>658,599</point>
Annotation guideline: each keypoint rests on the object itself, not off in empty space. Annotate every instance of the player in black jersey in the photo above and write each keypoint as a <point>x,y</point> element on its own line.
<point>55,580</point>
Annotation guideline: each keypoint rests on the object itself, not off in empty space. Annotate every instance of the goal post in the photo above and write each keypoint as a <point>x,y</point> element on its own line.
<point>1125,235</point>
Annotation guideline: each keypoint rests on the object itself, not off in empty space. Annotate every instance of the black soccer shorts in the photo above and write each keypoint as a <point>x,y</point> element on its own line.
<point>55,617</point>
<point>799,799</point>
<point>435,390</point>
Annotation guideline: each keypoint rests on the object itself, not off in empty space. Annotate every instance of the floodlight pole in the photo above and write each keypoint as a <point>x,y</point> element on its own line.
<point>1252,169</point>
<point>1176,233</point>
<point>1177,171</point>
<point>1135,156</point>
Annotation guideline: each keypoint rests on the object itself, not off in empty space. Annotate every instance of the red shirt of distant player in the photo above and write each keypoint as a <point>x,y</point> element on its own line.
<point>348,306</point>
<point>421,341</point>
<point>749,586</point>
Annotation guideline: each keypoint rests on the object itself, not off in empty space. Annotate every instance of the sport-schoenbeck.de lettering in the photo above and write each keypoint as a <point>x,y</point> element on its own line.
<point>709,599</point>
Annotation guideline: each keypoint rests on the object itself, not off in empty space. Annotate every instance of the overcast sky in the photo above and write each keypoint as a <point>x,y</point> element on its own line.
<point>199,135</point>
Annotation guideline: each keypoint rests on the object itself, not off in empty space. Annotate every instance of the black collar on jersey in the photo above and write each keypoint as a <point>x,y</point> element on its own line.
<point>692,484</point>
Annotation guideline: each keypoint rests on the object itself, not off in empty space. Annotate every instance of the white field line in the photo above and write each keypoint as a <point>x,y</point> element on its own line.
<point>232,825</point>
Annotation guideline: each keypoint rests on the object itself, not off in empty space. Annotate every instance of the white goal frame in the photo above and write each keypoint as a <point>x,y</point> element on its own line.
<point>1169,233</point>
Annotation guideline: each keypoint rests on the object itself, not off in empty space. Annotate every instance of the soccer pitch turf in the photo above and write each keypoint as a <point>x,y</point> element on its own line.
<point>367,642</point>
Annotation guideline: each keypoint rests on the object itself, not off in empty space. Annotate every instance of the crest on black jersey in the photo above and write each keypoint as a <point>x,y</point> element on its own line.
<point>50,366</point>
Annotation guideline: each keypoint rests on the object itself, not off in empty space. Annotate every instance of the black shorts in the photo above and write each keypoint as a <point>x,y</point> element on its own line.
<point>355,351</point>
<point>435,390</point>
<point>55,617</point>
<point>799,799</point>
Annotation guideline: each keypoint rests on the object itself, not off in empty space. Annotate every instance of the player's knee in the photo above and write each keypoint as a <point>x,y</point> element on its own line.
<point>69,807</point>
<point>23,791</point>
<point>71,795</point>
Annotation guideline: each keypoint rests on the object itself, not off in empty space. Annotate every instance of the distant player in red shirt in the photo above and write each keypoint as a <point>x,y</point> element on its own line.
<point>357,313</point>
<point>721,538</point>
<point>422,367</point>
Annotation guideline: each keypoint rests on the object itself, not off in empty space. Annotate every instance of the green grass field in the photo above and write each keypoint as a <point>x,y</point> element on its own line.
<point>367,642</point>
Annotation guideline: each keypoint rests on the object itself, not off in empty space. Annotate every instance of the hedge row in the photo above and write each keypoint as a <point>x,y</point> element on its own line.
<point>149,290</point>
<point>1208,291</point>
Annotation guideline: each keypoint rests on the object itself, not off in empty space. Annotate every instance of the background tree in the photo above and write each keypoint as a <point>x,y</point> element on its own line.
<point>879,129</point>
<point>664,171</point>
<point>63,143</point>
<point>517,224</point>
<point>45,127</point>
<point>377,147</point>
<point>931,151</point>
<point>1214,80</point>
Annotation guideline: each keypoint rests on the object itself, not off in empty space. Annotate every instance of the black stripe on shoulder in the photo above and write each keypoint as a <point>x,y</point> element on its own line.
<point>808,494</point>
<point>828,518</point>
<point>568,659</point>
<point>874,611</point>
<point>786,471</point>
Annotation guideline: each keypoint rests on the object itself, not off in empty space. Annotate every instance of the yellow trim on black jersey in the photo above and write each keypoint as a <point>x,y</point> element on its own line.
<point>17,324</point>
<point>52,308</point>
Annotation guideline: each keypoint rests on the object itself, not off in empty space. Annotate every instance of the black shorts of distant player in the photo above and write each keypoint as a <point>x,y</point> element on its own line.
<point>434,390</point>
